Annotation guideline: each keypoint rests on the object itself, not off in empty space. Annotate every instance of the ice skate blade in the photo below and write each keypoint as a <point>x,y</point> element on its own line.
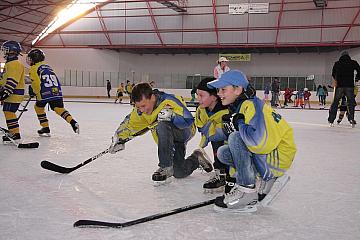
<point>44,134</point>
<point>9,142</point>
<point>278,186</point>
<point>214,190</point>
<point>247,209</point>
<point>161,183</point>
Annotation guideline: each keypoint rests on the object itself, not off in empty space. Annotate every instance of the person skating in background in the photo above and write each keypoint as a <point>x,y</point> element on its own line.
<point>12,86</point>
<point>300,98</point>
<point>307,95</point>
<point>266,92</point>
<point>47,89</point>
<point>128,89</point>
<point>119,93</point>
<point>174,128</point>
<point>260,144</point>
<point>108,88</point>
<point>221,67</point>
<point>287,96</point>
<point>343,76</point>
<point>320,93</point>
<point>324,96</point>
<point>275,92</point>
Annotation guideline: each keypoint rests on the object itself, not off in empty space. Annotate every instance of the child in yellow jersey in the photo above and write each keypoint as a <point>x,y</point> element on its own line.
<point>12,86</point>
<point>260,144</point>
<point>47,89</point>
<point>119,93</point>
<point>128,89</point>
<point>174,128</point>
<point>208,120</point>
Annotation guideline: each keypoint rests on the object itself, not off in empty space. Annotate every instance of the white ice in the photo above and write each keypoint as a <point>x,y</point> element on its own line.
<point>321,201</point>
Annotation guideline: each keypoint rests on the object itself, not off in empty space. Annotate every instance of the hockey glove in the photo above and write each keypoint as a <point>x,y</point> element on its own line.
<point>236,118</point>
<point>4,94</point>
<point>166,114</point>
<point>116,144</point>
<point>228,126</point>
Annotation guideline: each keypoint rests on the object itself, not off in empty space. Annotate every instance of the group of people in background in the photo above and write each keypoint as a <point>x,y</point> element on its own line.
<point>121,90</point>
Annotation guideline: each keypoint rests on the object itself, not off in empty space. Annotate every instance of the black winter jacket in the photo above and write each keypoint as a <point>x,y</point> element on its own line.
<point>343,71</point>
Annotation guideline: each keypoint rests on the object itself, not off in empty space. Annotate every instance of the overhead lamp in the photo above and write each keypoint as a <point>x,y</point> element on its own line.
<point>172,6</point>
<point>320,3</point>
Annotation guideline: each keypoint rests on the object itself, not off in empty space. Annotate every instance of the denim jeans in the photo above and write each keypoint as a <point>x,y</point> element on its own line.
<point>350,97</point>
<point>274,98</point>
<point>172,149</point>
<point>237,155</point>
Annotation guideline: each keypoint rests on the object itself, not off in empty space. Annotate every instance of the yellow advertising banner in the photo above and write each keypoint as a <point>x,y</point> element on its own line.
<point>237,57</point>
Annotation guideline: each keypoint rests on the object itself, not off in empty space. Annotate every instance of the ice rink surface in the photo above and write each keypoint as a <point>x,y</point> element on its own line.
<point>321,201</point>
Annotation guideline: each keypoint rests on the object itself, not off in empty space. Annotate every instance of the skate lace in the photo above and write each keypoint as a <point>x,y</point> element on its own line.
<point>213,177</point>
<point>232,194</point>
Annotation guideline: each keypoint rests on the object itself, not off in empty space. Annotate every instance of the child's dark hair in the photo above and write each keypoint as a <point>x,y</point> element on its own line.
<point>140,91</point>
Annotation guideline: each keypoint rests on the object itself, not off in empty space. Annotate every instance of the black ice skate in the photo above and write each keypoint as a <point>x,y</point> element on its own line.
<point>75,126</point>
<point>353,123</point>
<point>216,183</point>
<point>162,176</point>
<point>44,132</point>
<point>14,136</point>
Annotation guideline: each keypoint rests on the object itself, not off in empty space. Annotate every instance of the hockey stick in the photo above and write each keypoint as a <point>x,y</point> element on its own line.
<point>24,108</point>
<point>19,145</point>
<point>99,224</point>
<point>60,169</point>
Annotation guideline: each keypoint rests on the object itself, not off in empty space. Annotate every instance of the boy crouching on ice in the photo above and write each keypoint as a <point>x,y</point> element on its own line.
<point>260,143</point>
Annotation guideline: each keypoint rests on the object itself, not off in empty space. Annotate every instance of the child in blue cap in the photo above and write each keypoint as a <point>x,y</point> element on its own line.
<point>260,144</point>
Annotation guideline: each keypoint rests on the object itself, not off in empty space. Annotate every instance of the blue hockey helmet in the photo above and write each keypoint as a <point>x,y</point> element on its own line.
<point>34,56</point>
<point>11,48</point>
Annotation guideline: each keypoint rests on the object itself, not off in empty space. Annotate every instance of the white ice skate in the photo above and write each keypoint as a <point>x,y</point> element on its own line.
<point>277,187</point>
<point>239,200</point>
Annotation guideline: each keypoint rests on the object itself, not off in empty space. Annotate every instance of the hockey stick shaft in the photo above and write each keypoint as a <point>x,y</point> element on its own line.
<point>26,104</point>
<point>99,224</point>
<point>60,169</point>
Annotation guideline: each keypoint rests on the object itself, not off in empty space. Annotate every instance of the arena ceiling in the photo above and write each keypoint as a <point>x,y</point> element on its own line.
<point>187,27</point>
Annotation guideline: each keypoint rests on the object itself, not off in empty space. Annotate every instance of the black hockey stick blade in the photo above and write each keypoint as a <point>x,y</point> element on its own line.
<point>28,145</point>
<point>56,168</point>
<point>100,224</point>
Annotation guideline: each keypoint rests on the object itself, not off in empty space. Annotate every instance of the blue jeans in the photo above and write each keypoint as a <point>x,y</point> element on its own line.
<point>350,97</point>
<point>172,149</point>
<point>247,164</point>
<point>237,155</point>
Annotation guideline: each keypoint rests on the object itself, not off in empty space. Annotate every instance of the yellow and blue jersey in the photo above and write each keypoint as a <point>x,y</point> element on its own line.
<point>209,124</point>
<point>45,83</point>
<point>137,121</point>
<point>13,79</point>
<point>265,132</point>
